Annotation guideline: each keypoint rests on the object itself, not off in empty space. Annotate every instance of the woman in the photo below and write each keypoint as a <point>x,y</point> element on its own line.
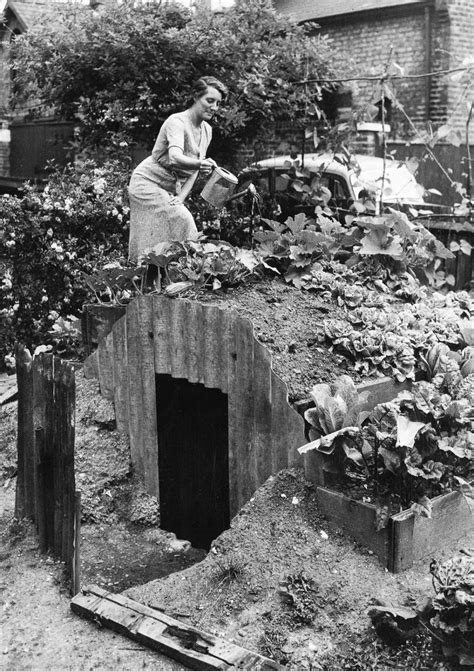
<point>161,182</point>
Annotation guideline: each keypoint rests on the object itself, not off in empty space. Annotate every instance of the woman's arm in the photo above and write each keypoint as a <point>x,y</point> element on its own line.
<point>178,159</point>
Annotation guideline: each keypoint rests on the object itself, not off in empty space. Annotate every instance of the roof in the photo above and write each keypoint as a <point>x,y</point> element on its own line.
<point>307,10</point>
<point>28,13</point>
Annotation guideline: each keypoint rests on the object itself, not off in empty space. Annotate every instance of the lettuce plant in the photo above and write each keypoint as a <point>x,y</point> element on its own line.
<point>402,453</point>
<point>449,615</point>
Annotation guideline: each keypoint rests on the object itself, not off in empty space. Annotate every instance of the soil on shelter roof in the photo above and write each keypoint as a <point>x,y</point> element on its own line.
<point>290,322</point>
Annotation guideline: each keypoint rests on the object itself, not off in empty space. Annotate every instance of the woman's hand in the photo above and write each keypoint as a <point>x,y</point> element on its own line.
<point>207,166</point>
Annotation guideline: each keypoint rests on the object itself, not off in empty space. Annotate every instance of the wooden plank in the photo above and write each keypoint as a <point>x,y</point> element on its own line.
<point>105,353</point>
<point>295,436</point>
<point>25,488</point>
<point>451,520</point>
<point>121,399</point>
<point>147,408</point>
<point>279,447</point>
<point>57,457</point>
<point>356,519</point>
<point>39,412</point>
<point>68,409</point>
<point>161,330</point>
<point>262,398</point>
<point>400,554</point>
<point>135,393</point>
<point>76,557</point>
<point>91,366</point>
<point>242,460</point>
<point>182,642</point>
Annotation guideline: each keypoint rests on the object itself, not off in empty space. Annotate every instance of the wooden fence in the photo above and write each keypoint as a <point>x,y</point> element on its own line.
<point>46,490</point>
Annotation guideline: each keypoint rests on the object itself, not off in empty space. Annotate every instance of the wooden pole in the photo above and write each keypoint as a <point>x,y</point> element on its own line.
<point>76,555</point>
<point>25,493</point>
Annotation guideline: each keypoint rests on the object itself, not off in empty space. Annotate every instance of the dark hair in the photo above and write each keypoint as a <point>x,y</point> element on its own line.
<point>203,83</point>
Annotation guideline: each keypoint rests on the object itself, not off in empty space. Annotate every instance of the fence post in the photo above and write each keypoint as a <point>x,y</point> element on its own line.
<point>25,490</point>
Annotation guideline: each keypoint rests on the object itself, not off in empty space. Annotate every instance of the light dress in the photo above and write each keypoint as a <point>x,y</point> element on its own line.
<point>156,214</point>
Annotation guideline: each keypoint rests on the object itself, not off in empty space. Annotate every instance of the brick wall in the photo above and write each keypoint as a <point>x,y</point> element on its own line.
<point>461,47</point>
<point>367,43</point>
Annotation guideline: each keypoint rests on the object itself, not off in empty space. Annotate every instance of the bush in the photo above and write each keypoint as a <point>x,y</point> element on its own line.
<point>48,239</point>
<point>122,71</point>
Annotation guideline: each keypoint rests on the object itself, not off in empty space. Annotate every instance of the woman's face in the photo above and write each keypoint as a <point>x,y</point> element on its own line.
<point>208,104</point>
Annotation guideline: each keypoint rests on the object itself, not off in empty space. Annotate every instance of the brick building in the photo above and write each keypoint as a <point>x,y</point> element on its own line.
<point>26,147</point>
<point>424,36</point>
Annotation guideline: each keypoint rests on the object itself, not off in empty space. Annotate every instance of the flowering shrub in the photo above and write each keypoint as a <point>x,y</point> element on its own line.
<point>47,239</point>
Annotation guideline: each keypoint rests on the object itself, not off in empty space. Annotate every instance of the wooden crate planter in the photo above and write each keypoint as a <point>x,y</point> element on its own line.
<point>407,538</point>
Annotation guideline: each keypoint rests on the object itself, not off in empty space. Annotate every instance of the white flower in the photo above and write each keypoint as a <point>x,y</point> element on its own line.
<point>44,299</point>
<point>9,361</point>
<point>123,144</point>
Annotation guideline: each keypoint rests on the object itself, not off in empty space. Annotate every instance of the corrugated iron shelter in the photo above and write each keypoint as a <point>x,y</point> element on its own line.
<point>208,346</point>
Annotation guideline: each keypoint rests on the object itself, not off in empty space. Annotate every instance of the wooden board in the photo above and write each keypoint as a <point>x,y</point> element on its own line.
<point>419,537</point>
<point>135,399</point>
<point>279,445</point>
<point>182,642</point>
<point>356,519</point>
<point>106,367</point>
<point>119,335</point>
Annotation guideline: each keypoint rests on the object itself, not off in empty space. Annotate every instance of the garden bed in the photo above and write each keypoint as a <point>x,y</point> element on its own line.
<point>407,538</point>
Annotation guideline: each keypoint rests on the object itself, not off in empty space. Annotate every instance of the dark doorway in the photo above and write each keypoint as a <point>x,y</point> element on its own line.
<point>192,459</point>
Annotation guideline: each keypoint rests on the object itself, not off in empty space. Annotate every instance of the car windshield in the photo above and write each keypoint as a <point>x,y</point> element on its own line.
<point>399,184</point>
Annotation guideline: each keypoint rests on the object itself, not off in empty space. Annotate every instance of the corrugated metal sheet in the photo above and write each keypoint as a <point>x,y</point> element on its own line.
<point>207,345</point>
<point>306,10</point>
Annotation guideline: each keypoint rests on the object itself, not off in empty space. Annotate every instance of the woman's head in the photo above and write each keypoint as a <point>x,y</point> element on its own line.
<point>208,93</point>
<point>201,86</point>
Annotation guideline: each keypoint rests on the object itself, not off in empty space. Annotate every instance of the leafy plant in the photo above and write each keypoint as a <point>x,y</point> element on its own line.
<point>448,616</point>
<point>300,593</point>
<point>401,454</point>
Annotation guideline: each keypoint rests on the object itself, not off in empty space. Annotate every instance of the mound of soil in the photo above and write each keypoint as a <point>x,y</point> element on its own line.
<point>284,582</point>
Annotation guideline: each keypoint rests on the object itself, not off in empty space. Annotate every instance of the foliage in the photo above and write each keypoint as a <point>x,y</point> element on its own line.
<point>395,340</point>
<point>300,593</point>
<point>47,240</point>
<point>122,71</point>
<point>404,452</point>
<point>449,615</point>
<point>174,268</point>
<point>388,249</point>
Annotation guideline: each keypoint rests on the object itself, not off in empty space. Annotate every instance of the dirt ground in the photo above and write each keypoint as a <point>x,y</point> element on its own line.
<point>121,545</point>
<point>282,581</point>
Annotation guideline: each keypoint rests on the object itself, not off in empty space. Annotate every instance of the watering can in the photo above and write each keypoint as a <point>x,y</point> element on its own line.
<point>219,187</point>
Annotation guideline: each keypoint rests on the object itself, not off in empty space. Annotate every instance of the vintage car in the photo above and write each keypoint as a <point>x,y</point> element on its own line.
<point>326,180</point>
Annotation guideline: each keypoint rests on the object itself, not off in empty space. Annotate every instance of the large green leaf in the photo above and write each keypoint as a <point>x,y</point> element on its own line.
<point>407,431</point>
